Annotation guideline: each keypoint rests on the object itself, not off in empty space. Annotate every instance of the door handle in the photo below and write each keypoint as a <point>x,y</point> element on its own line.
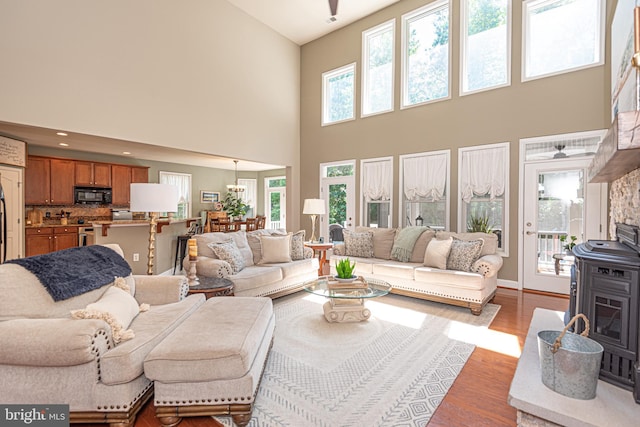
<point>529,233</point>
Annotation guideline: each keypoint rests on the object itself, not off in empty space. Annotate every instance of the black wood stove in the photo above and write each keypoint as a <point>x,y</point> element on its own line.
<point>605,286</point>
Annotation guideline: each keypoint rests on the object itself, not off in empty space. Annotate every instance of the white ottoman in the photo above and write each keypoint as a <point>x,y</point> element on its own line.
<point>212,363</point>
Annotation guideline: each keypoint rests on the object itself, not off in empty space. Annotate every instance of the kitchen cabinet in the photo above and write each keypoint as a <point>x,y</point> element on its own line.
<point>121,178</point>
<point>42,240</point>
<point>91,174</point>
<point>49,181</point>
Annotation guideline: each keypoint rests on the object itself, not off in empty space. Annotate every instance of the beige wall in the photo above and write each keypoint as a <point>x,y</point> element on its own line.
<point>200,75</point>
<point>571,102</point>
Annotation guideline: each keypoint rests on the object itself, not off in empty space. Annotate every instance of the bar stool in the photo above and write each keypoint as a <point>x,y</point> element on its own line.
<point>181,248</point>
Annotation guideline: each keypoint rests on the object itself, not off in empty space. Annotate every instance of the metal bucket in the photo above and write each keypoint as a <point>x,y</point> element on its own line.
<point>570,363</point>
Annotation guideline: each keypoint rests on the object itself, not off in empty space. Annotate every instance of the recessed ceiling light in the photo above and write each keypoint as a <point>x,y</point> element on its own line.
<point>126,152</point>
<point>61,133</point>
<point>64,144</point>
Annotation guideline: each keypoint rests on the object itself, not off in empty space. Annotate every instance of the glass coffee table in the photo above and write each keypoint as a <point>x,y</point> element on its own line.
<point>346,300</point>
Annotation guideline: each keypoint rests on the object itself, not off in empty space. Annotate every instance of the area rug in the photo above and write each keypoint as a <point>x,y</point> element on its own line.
<point>392,370</point>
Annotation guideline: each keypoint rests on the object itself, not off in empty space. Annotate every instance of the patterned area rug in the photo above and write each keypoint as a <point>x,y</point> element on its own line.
<point>392,370</point>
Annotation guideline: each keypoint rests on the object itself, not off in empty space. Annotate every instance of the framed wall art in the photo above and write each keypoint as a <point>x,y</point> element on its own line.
<point>209,196</point>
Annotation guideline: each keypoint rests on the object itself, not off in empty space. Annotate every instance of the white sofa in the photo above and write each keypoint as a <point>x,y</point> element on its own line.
<point>417,277</point>
<point>265,272</point>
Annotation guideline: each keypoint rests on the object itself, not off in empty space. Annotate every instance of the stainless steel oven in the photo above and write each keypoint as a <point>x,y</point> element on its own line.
<point>86,236</point>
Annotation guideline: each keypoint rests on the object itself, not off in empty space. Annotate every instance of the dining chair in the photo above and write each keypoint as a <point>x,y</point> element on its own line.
<point>251,224</point>
<point>261,221</point>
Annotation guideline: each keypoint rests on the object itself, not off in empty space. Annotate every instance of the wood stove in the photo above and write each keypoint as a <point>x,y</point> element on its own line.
<point>605,286</point>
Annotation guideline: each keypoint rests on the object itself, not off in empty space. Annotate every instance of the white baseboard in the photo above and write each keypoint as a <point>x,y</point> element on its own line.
<point>503,283</point>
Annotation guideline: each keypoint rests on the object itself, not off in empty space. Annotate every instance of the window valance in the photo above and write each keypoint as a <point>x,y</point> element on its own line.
<point>425,177</point>
<point>483,172</point>
<point>377,181</point>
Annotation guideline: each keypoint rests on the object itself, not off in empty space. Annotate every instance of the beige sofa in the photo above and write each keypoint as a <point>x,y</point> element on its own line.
<point>46,356</point>
<point>270,266</point>
<point>427,273</point>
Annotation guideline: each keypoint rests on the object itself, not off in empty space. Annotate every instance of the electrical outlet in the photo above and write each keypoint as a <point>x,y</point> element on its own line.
<point>136,257</point>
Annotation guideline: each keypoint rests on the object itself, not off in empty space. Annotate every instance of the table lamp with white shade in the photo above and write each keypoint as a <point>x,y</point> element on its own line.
<point>153,198</point>
<point>313,207</point>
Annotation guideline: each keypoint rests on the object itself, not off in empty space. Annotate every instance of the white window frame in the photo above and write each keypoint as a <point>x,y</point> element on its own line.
<point>164,177</point>
<point>328,75</point>
<point>402,199</point>
<point>463,49</point>
<point>525,42</point>
<point>283,200</point>
<point>462,219</point>
<point>364,203</point>
<point>406,18</point>
<point>366,35</point>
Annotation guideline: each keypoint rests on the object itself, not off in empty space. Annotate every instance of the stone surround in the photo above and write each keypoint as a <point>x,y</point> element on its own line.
<point>539,406</point>
<point>624,199</point>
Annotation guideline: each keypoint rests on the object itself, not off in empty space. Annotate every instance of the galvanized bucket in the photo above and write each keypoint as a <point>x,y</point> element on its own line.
<point>570,363</point>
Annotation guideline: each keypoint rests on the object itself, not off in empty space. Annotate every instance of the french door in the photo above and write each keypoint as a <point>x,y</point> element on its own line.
<point>337,189</point>
<point>559,208</point>
<point>275,202</point>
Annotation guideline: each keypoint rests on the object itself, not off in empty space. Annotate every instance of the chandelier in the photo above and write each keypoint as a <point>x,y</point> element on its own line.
<point>235,187</point>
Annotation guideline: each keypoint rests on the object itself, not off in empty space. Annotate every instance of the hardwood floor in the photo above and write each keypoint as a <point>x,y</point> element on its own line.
<point>479,395</point>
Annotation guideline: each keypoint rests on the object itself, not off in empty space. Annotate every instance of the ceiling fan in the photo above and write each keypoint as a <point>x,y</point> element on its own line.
<point>333,7</point>
<point>562,155</point>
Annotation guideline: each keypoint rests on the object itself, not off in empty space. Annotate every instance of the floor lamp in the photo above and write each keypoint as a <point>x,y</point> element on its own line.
<point>153,198</point>
<point>313,207</point>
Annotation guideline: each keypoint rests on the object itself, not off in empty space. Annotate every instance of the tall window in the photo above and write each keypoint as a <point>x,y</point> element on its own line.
<point>425,54</point>
<point>486,45</point>
<point>250,196</point>
<point>338,94</point>
<point>483,185</point>
<point>424,181</point>
<point>376,183</point>
<point>275,201</point>
<point>377,69</point>
<point>183,182</point>
<point>561,36</point>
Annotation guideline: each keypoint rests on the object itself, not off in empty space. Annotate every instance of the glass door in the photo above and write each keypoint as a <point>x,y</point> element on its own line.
<point>338,192</point>
<point>275,202</point>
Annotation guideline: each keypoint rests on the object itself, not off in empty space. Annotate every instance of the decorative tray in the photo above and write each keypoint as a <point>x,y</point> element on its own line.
<point>357,283</point>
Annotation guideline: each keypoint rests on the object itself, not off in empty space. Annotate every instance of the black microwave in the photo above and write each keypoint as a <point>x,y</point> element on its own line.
<point>93,195</point>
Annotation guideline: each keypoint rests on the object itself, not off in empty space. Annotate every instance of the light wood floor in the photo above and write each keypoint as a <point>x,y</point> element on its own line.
<point>479,395</point>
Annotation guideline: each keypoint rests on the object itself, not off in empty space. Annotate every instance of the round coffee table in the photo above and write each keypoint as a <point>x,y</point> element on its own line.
<point>346,301</point>
<point>212,287</point>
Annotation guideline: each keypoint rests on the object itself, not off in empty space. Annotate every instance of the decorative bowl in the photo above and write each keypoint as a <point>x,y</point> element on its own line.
<point>347,280</point>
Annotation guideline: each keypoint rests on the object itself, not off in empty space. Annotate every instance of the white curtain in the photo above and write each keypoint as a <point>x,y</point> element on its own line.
<point>376,181</point>
<point>425,177</point>
<point>483,171</point>
<point>251,194</point>
<point>183,182</point>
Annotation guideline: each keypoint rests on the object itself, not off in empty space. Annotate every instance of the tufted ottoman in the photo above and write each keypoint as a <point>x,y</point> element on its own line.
<point>211,364</point>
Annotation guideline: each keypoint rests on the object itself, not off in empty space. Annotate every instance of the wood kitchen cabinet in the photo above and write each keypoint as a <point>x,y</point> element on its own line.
<point>49,181</point>
<point>42,240</point>
<point>90,174</point>
<point>121,178</point>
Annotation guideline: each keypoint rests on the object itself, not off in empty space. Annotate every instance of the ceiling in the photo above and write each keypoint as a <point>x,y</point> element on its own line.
<point>309,23</point>
<point>302,21</point>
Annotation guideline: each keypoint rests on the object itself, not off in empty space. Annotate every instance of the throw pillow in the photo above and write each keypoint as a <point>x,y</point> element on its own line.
<point>358,244</point>
<point>437,253</point>
<point>228,251</point>
<point>275,249</point>
<point>116,307</point>
<point>297,245</point>
<point>463,254</point>
<point>253,238</point>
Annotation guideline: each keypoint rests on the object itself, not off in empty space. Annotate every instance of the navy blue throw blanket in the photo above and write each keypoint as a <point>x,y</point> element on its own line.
<point>74,271</point>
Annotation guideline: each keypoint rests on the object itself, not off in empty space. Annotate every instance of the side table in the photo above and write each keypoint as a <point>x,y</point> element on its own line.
<point>320,249</point>
<point>212,287</point>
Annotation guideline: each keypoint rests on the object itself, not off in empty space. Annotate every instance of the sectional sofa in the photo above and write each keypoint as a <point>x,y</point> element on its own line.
<point>453,268</point>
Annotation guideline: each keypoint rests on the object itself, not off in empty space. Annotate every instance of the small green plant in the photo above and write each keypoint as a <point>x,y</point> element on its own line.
<point>572,242</point>
<point>345,268</point>
<point>479,224</point>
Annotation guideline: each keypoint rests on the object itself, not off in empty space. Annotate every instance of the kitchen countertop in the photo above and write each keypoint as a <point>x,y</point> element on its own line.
<point>57,225</point>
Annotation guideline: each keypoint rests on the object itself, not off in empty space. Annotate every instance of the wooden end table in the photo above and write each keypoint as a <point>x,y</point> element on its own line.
<point>320,249</point>
<point>212,287</point>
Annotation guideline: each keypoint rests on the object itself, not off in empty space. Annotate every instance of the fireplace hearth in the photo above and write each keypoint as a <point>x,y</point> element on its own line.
<point>605,286</point>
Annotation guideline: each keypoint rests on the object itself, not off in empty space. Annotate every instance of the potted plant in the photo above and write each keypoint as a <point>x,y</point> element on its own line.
<point>568,247</point>
<point>345,268</point>
<point>479,224</point>
<point>234,206</point>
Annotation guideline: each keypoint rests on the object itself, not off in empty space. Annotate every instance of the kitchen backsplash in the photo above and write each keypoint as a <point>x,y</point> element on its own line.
<point>76,213</point>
